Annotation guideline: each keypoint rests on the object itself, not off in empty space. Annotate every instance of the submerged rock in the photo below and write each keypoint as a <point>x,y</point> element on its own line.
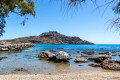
<point>29,55</point>
<point>100,58</point>
<point>83,56</point>
<point>89,52</point>
<point>62,56</point>
<point>46,54</point>
<point>111,64</point>
<point>52,51</point>
<point>2,58</point>
<point>114,55</point>
<point>95,64</point>
<point>20,69</point>
<point>78,51</point>
<point>104,53</point>
<point>80,60</point>
<point>60,48</point>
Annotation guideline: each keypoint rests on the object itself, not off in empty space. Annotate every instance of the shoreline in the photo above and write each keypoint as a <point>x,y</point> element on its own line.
<point>79,75</point>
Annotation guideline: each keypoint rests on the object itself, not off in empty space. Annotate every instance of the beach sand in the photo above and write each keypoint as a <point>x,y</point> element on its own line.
<point>81,75</point>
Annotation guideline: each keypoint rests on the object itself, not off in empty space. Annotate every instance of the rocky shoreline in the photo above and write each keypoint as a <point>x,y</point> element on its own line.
<point>103,60</point>
<point>15,47</point>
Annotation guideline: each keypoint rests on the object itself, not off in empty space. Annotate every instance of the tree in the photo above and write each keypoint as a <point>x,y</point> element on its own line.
<point>26,7</point>
<point>20,7</point>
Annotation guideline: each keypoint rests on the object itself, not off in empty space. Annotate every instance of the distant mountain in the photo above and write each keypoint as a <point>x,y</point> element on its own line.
<point>51,37</point>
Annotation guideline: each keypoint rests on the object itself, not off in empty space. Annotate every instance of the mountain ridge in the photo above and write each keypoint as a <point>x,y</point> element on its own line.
<point>51,37</point>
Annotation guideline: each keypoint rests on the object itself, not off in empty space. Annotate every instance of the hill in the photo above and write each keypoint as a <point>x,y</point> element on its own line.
<point>51,37</point>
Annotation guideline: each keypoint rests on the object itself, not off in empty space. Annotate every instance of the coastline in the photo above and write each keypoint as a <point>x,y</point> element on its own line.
<point>80,75</point>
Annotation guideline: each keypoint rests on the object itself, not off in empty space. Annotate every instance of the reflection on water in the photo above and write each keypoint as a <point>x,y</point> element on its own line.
<point>28,59</point>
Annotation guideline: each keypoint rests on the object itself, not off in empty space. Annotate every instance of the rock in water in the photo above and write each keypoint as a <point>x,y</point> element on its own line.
<point>46,54</point>
<point>95,64</point>
<point>2,58</point>
<point>80,60</point>
<point>100,58</point>
<point>20,69</point>
<point>89,52</point>
<point>111,64</point>
<point>62,56</point>
<point>105,53</point>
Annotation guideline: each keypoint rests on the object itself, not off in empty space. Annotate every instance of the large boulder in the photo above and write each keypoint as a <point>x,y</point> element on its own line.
<point>111,64</point>
<point>80,60</point>
<point>62,56</point>
<point>88,52</point>
<point>46,54</point>
<point>100,58</point>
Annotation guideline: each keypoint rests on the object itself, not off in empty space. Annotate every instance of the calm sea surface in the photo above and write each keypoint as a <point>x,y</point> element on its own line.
<point>35,65</point>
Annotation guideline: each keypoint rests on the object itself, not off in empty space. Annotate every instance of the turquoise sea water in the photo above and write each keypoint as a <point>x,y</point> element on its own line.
<point>34,65</point>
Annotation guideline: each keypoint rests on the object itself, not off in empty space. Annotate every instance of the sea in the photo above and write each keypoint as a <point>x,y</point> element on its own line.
<point>28,59</point>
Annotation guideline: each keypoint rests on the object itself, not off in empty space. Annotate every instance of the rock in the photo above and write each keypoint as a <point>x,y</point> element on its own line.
<point>2,58</point>
<point>62,56</point>
<point>89,52</point>
<point>15,47</point>
<point>20,69</point>
<point>114,55</point>
<point>83,56</point>
<point>100,58</point>
<point>46,54</point>
<point>28,55</point>
<point>105,53</point>
<point>52,51</point>
<point>111,64</point>
<point>60,48</point>
<point>4,49</point>
<point>78,51</point>
<point>101,48</point>
<point>95,64</point>
<point>80,60</point>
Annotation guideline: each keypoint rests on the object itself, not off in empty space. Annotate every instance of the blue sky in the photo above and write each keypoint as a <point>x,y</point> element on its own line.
<point>86,22</point>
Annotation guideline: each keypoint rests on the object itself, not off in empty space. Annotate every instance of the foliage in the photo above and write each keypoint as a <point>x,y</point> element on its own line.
<point>26,7</point>
<point>20,7</point>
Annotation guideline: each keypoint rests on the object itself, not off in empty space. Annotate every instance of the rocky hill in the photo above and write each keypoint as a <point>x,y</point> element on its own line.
<point>51,37</point>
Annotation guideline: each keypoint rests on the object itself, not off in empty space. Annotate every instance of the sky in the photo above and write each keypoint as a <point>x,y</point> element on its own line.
<point>86,22</point>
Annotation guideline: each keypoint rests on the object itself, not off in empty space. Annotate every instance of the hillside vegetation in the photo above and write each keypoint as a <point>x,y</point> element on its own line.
<point>51,37</point>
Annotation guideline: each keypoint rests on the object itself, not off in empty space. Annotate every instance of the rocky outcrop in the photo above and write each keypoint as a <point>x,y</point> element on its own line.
<point>51,37</point>
<point>111,64</point>
<point>15,47</point>
<point>80,60</point>
<point>100,58</point>
<point>88,52</point>
<point>46,54</point>
<point>95,64</point>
